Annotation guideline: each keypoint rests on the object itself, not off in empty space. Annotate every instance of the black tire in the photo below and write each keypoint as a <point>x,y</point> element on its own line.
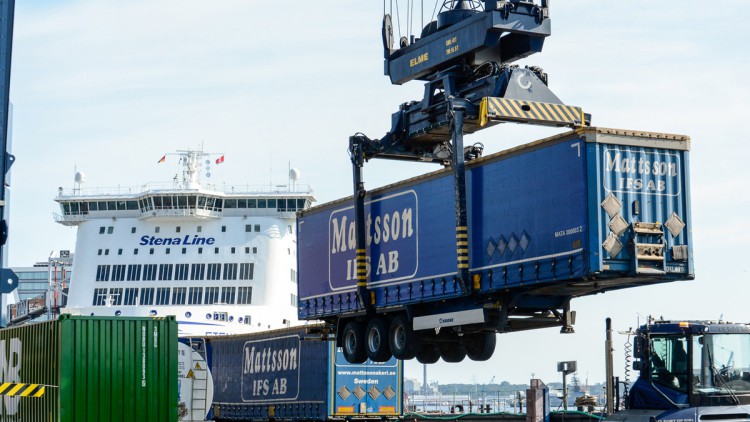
<point>428,353</point>
<point>480,346</point>
<point>451,348</point>
<point>353,342</point>
<point>401,338</point>
<point>376,340</point>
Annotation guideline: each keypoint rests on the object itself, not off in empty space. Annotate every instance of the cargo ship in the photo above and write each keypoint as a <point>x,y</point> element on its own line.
<point>222,261</point>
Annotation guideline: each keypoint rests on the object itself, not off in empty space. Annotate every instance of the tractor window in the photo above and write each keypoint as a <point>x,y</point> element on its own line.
<point>669,361</point>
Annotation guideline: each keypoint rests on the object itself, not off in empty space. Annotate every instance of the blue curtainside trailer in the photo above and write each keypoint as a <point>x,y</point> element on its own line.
<point>284,375</point>
<point>576,214</point>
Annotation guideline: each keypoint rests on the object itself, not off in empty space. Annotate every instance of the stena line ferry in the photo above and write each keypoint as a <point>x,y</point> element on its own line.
<point>222,261</point>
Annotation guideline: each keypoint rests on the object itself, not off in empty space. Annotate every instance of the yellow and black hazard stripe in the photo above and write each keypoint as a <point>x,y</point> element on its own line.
<point>495,108</point>
<point>462,247</point>
<point>361,260</point>
<point>22,390</point>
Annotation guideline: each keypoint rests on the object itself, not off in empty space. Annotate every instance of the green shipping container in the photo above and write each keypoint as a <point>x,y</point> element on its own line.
<point>89,369</point>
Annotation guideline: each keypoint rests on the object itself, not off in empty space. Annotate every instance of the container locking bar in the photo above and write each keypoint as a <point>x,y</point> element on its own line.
<point>495,109</point>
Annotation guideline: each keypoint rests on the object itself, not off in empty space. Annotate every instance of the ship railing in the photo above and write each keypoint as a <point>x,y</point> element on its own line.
<point>69,219</point>
<point>180,212</point>
<point>129,191</point>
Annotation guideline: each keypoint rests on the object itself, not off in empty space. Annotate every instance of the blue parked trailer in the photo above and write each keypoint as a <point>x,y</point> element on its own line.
<point>287,375</point>
<point>576,214</point>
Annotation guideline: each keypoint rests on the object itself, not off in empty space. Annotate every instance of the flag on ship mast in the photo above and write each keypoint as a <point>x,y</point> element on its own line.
<point>220,160</point>
<point>163,158</point>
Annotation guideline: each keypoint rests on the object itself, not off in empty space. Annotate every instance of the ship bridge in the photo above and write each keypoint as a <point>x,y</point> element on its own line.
<point>77,206</point>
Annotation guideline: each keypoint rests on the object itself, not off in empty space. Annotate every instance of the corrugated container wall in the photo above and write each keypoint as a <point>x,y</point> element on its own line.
<point>90,369</point>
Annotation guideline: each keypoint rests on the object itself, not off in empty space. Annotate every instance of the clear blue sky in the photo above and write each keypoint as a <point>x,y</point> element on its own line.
<point>108,87</point>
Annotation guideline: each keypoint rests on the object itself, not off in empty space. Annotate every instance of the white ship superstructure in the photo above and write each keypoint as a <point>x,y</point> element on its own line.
<point>222,262</point>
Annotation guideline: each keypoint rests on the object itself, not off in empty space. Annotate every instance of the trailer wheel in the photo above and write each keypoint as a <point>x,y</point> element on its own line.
<point>480,346</point>
<point>353,342</point>
<point>452,351</point>
<point>376,340</point>
<point>402,340</point>
<point>428,353</point>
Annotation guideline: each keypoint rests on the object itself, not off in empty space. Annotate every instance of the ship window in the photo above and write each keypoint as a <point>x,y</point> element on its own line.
<point>247,249</point>
<point>210,202</point>
<point>246,270</point>
<point>255,249</point>
<point>99,252</point>
<point>93,207</point>
<point>201,202</point>
<point>134,272</point>
<point>166,251</point>
<point>84,207</point>
<point>252,203</point>
<point>261,203</point>
<point>106,252</point>
<point>110,230</point>
<point>149,272</point>
<point>177,229</point>
<point>178,295</point>
<point>130,296</point>
<point>147,296</point>
<point>200,229</point>
<point>230,271</point>
<point>165,271</point>
<point>195,296</point>
<point>223,229</point>
<point>111,205</point>
<point>216,250</point>
<point>102,273</point>
<point>99,296</point>
<point>257,227</point>
<point>248,227</point>
<point>271,203</point>
<point>66,208</point>
<point>191,201</point>
<point>135,251</point>
<point>74,207</point>
<point>118,272</point>
<point>197,271</point>
<point>291,204</point>
<point>132,230</point>
<point>162,296</point>
<point>301,203</point>
<point>243,203</point>
<point>131,205</point>
<point>157,229</point>
<point>232,249</point>
<point>212,295</point>
<point>214,271</point>
<point>101,230</point>
<point>200,250</point>
<point>166,202</point>
<point>115,295</point>
<point>227,295</point>
<point>102,206</point>
<point>119,252</point>
<point>294,300</point>
<point>184,251</point>
<point>182,202</point>
<point>244,296</point>
<point>151,251</point>
<point>121,205</point>
<point>230,203</point>
<point>181,271</point>
<point>157,202</point>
